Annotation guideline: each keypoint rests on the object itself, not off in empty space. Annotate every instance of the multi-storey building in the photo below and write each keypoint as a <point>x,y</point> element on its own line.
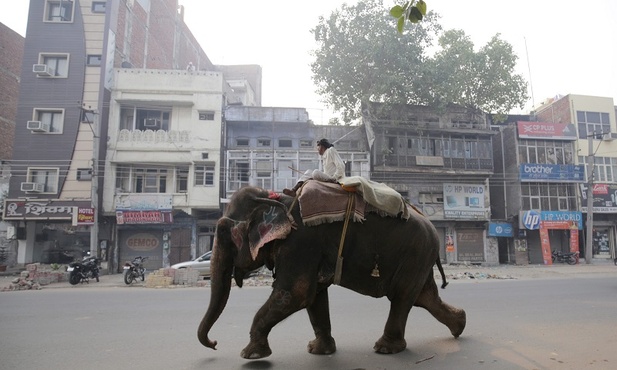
<point>71,53</point>
<point>161,188</point>
<point>11,50</point>
<point>270,147</point>
<point>441,161</point>
<point>534,191</point>
<point>594,120</point>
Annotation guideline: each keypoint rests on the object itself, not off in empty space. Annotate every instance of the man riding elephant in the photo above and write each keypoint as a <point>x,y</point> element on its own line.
<point>333,167</point>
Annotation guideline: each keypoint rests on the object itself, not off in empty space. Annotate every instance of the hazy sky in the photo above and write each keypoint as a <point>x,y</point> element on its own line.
<point>571,46</point>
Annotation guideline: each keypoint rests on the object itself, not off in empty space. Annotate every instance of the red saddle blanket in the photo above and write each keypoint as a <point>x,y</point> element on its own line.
<point>324,202</point>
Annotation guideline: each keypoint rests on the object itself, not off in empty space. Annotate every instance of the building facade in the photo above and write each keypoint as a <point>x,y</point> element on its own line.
<point>594,120</point>
<point>535,190</point>
<point>162,187</point>
<point>71,52</point>
<point>11,51</point>
<point>271,147</point>
<point>442,162</point>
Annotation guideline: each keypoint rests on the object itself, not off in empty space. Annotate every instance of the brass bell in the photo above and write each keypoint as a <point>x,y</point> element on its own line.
<point>375,272</point>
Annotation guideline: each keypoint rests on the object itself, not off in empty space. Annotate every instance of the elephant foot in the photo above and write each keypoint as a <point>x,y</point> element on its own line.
<point>389,346</point>
<point>255,351</point>
<point>457,327</point>
<point>322,346</point>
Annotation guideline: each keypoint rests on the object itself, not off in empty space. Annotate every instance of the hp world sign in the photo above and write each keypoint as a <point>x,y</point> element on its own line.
<point>531,220</point>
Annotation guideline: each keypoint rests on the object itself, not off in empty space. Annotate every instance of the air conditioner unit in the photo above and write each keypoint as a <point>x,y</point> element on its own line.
<point>151,122</point>
<point>609,136</point>
<point>38,126</point>
<point>32,187</point>
<point>43,70</point>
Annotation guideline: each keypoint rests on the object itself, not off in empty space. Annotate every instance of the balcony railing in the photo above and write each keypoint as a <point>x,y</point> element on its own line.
<point>153,137</point>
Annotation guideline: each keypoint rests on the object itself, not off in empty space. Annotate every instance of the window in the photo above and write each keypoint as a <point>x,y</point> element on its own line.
<point>590,123</point>
<point>430,198</point>
<point>242,142</point>
<point>263,168</point>
<point>264,143</point>
<point>206,116</point>
<point>59,11</point>
<point>182,179</point>
<point>285,143</point>
<point>604,169</point>
<point>98,7</point>
<point>306,143</point>
<point>150,180</point>
<point>46,176</point>
<point>134,118</point>
<point>93,60</point>
<point>546,151</point>
<point>51,119</point>
<point>204,175</point>
<point>548,197</point>
<point>57,65</point>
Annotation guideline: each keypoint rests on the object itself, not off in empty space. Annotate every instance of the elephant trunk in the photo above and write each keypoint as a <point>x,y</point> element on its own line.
<point>220,282</point>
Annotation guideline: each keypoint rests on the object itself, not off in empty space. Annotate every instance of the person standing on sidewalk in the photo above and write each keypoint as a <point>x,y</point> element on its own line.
<point>333,167</point>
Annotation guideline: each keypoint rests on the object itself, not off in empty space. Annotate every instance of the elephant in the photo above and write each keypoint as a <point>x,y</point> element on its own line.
<point>260,227</point>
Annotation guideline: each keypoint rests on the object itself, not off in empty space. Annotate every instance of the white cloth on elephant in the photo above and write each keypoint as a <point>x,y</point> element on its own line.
<point>333,168</point>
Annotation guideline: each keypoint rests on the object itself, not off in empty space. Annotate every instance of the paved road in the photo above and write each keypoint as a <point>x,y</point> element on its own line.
<point>560,322</point>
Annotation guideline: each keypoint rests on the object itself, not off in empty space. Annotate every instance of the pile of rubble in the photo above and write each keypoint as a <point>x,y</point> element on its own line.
<point>35,276</point>
<point>477,276</point>
<point>168,277</point>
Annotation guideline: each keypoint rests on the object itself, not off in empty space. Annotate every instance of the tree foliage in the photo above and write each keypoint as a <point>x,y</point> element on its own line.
<point>360,59</point>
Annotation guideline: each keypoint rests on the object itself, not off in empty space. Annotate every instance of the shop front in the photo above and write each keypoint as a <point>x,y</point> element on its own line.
<point>50,231</point>
<point>148,227</point>
<point>548,231</point>
<point>604,219</point>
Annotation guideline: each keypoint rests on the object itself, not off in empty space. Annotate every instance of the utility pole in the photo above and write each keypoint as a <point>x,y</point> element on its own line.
<point>590,170</point>
<point>94,195</point>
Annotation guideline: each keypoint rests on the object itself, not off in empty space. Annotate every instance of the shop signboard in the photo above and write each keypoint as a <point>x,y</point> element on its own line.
<point>537,172</point>
<point>543,130</point>
<point>500,229</point>
<point>604,198</point>
<point>465,201</point>
<point>42,209</point>
<point>144,209</point>
<point>532,220</point>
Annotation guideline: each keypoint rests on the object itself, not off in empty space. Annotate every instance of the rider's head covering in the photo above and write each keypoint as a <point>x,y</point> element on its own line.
<point>325,143</point>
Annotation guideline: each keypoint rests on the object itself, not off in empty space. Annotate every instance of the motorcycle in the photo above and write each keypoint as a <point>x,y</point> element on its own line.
<point>84,270</point>
<point>134,270</point>
<point>571,258</point>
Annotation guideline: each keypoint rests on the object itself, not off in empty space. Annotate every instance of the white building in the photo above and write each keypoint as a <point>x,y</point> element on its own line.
<point>162,185</point>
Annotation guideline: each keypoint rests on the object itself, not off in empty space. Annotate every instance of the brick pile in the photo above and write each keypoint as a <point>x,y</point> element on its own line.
<point>36,276</point>
<point>166,277</point>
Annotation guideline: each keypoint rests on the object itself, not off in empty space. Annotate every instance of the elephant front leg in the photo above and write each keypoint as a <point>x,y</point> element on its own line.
<point>277,308</point>
<point>319,314</point>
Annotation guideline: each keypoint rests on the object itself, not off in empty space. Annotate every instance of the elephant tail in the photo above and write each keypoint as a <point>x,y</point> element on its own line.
<point>443,275</point>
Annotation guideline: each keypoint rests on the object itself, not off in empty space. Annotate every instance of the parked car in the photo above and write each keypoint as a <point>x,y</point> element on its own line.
<point>202,264</point>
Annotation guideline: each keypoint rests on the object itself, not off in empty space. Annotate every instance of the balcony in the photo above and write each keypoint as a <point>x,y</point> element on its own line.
<point>153,137</point>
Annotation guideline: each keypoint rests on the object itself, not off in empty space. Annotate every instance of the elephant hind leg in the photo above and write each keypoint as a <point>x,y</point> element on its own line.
<point>454,318</point>
<point>393,338</point>
<point>256,350</point>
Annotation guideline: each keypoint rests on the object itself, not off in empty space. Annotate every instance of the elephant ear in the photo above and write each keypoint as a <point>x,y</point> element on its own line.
<point>267,223</point>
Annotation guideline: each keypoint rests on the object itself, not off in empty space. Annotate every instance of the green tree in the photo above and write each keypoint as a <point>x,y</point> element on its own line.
<point>359,60</point>
<point>485,79</point>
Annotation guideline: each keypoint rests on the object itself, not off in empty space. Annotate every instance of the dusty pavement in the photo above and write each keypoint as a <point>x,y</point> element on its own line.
<point>463,273</point>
